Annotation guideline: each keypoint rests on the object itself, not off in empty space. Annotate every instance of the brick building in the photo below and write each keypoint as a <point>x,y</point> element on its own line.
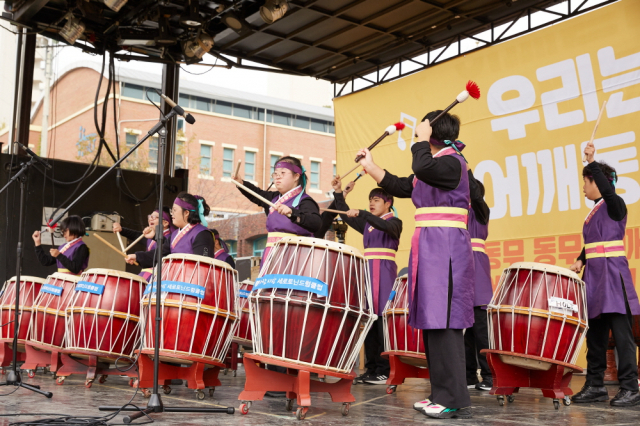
<point>230,126</point>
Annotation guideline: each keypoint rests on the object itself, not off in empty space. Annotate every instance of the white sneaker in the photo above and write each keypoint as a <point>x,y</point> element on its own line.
<point>421,404</point>
<point>437,411</point>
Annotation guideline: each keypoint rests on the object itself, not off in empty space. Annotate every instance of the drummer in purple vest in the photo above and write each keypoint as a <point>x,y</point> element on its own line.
<point>381,230</point>
<point>441,280</point>
<point>71,257</point>
<point>291,200</point>
<point>221,250</point>
<point>611,296</point>
<point>476,338</point>
<point>153,220</point>
<point>191,236</point>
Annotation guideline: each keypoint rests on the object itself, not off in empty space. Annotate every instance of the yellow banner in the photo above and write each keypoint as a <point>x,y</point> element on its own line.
<point>541,94</point>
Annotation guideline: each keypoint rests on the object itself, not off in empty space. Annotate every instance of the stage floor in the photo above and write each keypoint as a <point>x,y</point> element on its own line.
<point>372,406</point>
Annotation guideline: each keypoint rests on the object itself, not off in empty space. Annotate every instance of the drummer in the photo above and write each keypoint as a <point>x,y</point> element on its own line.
<point>441,268</point>
<point>221,250</point>
<point>73,256</point>
<point>381,229</point>
<point>191,236</point>
<point>476,338</point>
<point>153,220</point>
<point>296,213</point>
<point>611,295</point>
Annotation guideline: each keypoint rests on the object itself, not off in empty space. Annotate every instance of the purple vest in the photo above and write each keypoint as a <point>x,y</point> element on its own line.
<point>383,271</point>
<point>484,289</point>
<point>433,249</point>
<point>604,276</point>
<point>222,256</point>
<point>185,245</point>
<point>147,273</point>
<point>280,223</point>
<point>69,253</point>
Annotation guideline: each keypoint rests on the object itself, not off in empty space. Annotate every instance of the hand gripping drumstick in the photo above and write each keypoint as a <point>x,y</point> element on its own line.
<point>388,132</point>
<point>259,197</point>
<point>121,243</point>
<point>134,243</point>
<point>593,135</point>
<point>112,246</point>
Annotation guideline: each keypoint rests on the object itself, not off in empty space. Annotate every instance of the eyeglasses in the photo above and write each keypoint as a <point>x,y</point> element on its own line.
<point>277,175</point>
<point>153,217</point>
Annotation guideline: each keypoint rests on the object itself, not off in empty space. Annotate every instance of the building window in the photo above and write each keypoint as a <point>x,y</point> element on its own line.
<point>233,247</point>
<point>180,125</point>
<point>203,104</point>
<point>153,153</point>
<point>183,101</point>
<point>314,179</point>
<point>152,94</point>
<point>180,155</point>
<point>133,91</point>
<point>205,159</point>
<point>249,165</point>
<point>301,122</point>
<point>131,140</point>
<point>222,107</point>
<point>243,111</point>
<point>227,162</point>
<point>274,160</point>
<point>259,245</point>
<point>282,118</point>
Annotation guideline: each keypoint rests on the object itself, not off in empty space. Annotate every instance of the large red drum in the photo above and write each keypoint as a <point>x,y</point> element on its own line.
<point>243,334</point>
<point>540,310</point>
<point>291,318</point>
<point>399,337</point>
<point>199,310</point>
<point>29,288</point>
<point>48,321</point>
<point>103,315</point>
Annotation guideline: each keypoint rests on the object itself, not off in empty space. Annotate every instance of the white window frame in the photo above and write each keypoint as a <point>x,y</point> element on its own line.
<point>210,175</point>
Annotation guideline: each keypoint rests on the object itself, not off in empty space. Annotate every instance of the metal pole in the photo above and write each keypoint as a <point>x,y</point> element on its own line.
<point>16,90</point>
<point>44,145</point>
<point>26,88</point>
<point>170,87</point>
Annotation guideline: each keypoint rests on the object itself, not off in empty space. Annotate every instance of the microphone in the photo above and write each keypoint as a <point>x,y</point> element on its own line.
<point>189,118</point>
<point>34,155</point>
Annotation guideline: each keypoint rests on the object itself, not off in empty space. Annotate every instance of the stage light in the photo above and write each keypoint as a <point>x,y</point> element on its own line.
<point>236,23</point>
<point>273,10</point>
<point>72,29</point>
<point>164,37</point>
<point>115,5</point>
<point>190,18</point>
<point>199,46</point>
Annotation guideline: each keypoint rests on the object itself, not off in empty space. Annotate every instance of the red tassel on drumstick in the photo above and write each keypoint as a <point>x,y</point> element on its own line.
<point>388,132</point>
<point>472,90</point>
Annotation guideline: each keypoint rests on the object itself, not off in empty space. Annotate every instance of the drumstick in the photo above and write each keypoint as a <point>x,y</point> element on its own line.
<point>134,243</point>
<point>112,246</point>
<point>238,168</point>
<point>593,135</point>
<point>121,243</point>
<point>345,175</point>
<point>333,211</point>
<point>259,197</point>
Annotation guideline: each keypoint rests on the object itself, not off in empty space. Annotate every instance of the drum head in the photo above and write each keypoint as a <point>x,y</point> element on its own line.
<point>201,259</point>
<point>63,277</point>
<point>320,243</point>
<point>114,273</point>
<point>28,278</point>
<point>545,267</point>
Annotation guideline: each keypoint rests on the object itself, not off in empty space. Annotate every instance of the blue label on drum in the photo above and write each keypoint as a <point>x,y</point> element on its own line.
<point>293,282</point>
<point>179,287</point>
<point>392,295</point>
<point>244,293</point>
<point>90,287</point>
<point>51,289</point>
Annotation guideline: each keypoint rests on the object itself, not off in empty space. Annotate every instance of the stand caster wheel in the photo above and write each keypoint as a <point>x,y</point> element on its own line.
<point>500,399</point>
<point>244,408</point>
<point>46,370</point>
<point>391,389</point>
<point>511,398</point>
<point>3,372</point>
<point>322,379</point>
<point>166,389</point>
<point>225,371</point>
<point>88,384</point>
<point>200,394</point>
<point>31,374</point>
<point>60,380</point>
<point>556,404</point>
<point>146,393</point>
<point>345,408</point>
<point>355,382</point>
<point>235,373</point>
<point>289,405</point>
<point>131,382</point>
<point>211,391</point>
<point>301,413</point>
<point>566,401</point>
<point>102,379</point>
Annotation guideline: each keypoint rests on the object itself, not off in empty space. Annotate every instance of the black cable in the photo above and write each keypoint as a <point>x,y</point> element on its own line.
<point>7,323</point>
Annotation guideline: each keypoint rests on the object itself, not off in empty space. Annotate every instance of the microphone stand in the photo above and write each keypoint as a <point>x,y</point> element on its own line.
<point>155,402</point>
<point>13,375</point>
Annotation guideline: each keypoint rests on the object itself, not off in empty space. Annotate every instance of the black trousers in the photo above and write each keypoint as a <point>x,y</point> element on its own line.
<point>373,347</point>
<point>445,358</point>
<point>476,338</point>
<point>597,343</point>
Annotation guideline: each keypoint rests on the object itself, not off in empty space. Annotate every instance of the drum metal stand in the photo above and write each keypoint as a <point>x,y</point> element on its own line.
<point>155,402</point>
<point>404,365</point>
<point>551,377</point>
<point>13,375</point>
<point>296,383</point>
